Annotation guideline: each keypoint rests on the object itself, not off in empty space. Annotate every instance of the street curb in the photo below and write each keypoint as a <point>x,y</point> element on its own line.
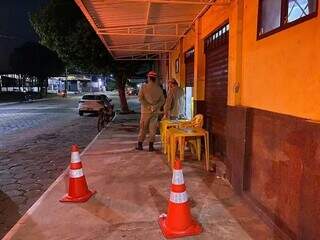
<point>24,218</point>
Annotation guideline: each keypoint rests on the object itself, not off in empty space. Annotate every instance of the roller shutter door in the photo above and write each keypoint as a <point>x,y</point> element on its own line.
<point>189,61</point>
<point>216,86</point>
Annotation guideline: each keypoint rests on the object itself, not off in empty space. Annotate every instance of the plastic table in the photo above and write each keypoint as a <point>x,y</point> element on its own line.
<point>178,135</point>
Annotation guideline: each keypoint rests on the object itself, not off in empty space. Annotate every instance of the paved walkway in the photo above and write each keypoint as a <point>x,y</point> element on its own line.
<point>132,191</point>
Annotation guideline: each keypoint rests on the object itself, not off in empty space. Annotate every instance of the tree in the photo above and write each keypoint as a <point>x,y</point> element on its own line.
<point>35,60</point>
<point>62,27</point>
<point>122,71</point>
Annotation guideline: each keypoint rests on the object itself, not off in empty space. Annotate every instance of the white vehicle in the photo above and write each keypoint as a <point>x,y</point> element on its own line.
<point>90,103</point>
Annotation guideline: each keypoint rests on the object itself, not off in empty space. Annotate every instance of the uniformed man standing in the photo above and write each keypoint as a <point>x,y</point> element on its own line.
<point>174,107</point>
<point>151,99</point>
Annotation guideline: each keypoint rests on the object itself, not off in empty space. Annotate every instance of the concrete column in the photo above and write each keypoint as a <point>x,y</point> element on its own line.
<point>235,53</point>
<point>182,66</point>
<point>199,64</point>
<point>170,65</point>
<point>199,71</point>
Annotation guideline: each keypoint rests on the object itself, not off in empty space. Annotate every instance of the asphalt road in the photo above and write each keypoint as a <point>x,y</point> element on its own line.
<point>29,119</point>
<point>35,140</point>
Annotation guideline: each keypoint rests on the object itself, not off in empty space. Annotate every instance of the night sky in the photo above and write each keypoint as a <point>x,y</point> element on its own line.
<point>15,28</point>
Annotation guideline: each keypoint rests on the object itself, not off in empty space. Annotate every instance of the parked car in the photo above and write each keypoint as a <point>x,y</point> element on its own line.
<point>132,91</point>
<point>91,103</point>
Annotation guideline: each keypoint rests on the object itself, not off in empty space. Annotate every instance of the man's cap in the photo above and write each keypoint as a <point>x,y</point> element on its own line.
<point>152,74</point>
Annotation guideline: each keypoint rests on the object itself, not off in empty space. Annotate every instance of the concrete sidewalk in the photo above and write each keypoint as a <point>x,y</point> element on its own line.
<point>132,191</point>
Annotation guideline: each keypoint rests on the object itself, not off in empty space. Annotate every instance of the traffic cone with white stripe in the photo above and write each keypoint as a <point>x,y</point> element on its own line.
<point>178,222</point>
<point>78,188</point>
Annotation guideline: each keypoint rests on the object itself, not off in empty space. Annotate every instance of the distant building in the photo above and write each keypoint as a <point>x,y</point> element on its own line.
<point>11,82</point>
<point>79,83</point>
<point>75,83</point>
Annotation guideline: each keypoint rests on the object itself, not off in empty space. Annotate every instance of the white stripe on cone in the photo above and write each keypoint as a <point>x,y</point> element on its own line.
<point>177,177</point>
<point>75,173</point>
<point>178,197</point>
<point>75,157</point>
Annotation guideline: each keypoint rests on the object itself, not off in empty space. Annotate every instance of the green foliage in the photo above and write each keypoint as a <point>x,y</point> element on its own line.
<point>132,84</point>
<point>35,60</point>
<point>111,85</point>
<point>124,70</point>
<point>62,27</point>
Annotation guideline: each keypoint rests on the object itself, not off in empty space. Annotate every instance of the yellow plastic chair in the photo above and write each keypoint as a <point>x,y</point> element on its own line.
<point>196,122</point>
<point>164,126</point>
<point>178,137</point>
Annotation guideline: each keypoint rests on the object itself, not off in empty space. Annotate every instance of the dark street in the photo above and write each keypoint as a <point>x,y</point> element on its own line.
<point>17,119</point>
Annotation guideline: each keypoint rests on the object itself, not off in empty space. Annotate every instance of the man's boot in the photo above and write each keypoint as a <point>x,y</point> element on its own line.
<point>151,149</point>
<point>139,147</point>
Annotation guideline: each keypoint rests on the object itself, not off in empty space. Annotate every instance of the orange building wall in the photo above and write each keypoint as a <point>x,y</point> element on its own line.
<point>163,70</point>
<point>213,19</point>
<point>281,73</point>
<point>173,56</point>
<point>188,40</point>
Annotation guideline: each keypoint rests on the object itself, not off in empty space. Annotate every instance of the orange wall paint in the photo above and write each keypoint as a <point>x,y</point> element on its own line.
<point>173,56</point>
<point>213,18</point>
<point>188,41</point>
<point>281,73</point>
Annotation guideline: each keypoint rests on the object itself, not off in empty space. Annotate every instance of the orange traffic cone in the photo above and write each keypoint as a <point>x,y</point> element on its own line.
<point>178,222</point>
<point>78,188</point>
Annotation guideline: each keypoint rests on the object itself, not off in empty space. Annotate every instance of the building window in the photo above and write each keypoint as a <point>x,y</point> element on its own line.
<point>270,15</point>
<point>300,8</point>
<point>275,15</point>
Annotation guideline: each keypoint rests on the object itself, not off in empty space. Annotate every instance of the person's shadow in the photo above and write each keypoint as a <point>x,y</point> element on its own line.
<point>9,214</point>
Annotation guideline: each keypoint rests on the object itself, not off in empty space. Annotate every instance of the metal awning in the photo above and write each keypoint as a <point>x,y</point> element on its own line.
<point>142,29</point>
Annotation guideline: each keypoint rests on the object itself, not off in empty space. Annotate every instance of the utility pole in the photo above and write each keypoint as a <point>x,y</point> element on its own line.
<point>65,82</point>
